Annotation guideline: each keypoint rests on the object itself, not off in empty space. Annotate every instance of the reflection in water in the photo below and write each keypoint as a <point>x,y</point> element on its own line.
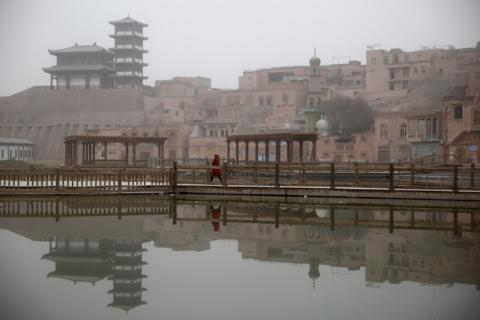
<point>392,244</point>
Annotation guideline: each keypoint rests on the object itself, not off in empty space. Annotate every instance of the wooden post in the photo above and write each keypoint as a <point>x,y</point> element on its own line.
<point>412,174</point>
<point>332,175</point>
<point>390,177</point>
<point>119,180</point>
<point>332,217</point>
<point>277,216</point>
<point>455,178</point>
<point>225,173</point>
<point>277,174</point>
<point>57,180</point>
<point>390,220</point>
<point>472,175</point>
<point>224,214</point>
<point>174,176</point>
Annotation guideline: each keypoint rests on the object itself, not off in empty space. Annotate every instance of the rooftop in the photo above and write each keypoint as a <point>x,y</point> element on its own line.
<point>128,20</point>
<point>78,67</point>
<point>15,141</point>
<point>81,49</point>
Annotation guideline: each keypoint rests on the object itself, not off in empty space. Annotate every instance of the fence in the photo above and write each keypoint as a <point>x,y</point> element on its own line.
<point>83,180</point>
<point>327,175</point>
<point>332,175</point>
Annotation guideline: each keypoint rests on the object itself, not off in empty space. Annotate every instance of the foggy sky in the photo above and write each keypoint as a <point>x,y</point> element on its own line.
<point>221,38</point>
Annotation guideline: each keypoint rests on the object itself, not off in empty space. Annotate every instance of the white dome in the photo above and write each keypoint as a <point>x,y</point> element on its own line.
<point>321,125</point>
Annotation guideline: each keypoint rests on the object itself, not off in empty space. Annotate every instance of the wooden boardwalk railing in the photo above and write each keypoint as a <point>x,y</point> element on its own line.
<point>83,180</point>
<point>326,175</point>
<point>332,175</point>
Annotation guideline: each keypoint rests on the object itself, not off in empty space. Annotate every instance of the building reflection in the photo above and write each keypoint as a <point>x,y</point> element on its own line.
<point>443,249</point>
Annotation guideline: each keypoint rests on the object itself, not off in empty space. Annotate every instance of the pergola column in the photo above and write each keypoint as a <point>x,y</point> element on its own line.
<point>134,152</point>
<point>256,150</point>
<point>228,150</point>
<point>289,151</point>
<point>93,155</point>
<point>236,151</point>
<point>84,152</point>
<point>246,150</point>
<point>160,153</point>
<point>301,150</point>
<point>67,154</point>
<point>314,150</point>
<point>105,151</point>
<point>267,150</point>
<point>126,154</point>
<point>75,154</point>
<point>278,150</point>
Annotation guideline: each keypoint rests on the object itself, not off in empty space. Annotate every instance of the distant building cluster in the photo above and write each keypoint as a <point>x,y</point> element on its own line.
<point>426,102</point>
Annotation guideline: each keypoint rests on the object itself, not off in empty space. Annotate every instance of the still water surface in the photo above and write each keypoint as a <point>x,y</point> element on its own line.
<point>241,261</point>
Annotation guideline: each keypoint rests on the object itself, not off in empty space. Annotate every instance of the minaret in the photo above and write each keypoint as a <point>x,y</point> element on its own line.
<point>128,53</point>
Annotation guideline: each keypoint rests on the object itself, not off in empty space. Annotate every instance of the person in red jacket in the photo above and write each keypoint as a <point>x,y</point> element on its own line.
<point>216,170</point>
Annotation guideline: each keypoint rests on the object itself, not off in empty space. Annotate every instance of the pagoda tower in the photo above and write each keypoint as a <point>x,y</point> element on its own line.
<point>127,275</point>
<point>128,53</point>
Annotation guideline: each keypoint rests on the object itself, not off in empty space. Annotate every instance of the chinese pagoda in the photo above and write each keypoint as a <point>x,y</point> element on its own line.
<point>127,275</point>
<point>128,53</point>
<point>83,67</point>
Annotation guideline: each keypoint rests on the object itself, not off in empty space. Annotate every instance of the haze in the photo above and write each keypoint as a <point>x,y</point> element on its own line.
<point>219,39</point>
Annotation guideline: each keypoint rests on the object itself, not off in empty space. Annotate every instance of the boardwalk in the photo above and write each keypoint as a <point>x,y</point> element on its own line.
<point>259,178</point>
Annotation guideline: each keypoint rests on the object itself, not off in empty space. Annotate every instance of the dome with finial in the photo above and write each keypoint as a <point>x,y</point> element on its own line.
<point>315,61</point>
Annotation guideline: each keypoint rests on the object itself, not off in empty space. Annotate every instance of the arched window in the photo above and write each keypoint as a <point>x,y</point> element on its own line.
<point>383,130</point>
<point>476,117</point>
<point>403,130</point>
<point>311,101</point>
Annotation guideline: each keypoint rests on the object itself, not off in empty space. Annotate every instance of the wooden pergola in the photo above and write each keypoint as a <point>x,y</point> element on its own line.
<point>89,144</point>
<point>277,139</point>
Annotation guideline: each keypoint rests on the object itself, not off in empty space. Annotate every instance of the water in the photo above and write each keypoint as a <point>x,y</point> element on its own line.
<point>235,260</point>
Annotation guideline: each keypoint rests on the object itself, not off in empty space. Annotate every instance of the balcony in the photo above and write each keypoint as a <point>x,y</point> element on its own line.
<point>129,47</point>
<point>128,34</point>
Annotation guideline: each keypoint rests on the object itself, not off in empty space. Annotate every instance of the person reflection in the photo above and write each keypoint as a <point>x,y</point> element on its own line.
<point>215,213</point>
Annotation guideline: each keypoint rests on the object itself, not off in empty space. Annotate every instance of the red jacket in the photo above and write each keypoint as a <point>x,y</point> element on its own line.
<point>216,170</point>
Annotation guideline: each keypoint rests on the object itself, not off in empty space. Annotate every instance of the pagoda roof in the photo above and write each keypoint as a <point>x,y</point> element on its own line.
<point>125,306</point>
<point>81,49</point>
<point>128,20</point>
<point>77,278</point>
<point>78,67</point>
<point>76,259</point>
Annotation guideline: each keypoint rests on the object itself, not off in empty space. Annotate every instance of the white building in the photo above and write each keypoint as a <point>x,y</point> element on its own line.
<point>16,149</point>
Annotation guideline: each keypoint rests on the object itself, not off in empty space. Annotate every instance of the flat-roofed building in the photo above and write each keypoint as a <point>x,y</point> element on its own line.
<point>16,149</point>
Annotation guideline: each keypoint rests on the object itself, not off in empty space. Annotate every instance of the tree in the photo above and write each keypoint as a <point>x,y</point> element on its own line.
<point>346,116</point>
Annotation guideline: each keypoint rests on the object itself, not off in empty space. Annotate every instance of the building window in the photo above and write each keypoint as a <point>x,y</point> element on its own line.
<point>285,98</point>
<point>311,101</point>
<point>407,57</point>
<point>405,84</point>
<point>403,130</point>
<point>392,87</point>
<point>269,101</point>
<point>423,69</point>
<point>260,102</point>
<point>385,59</point>
<point>383,130</point>
<point>458,112</point>
<point>415,70</point>
<point>476,117</point>
<point>392,74</point>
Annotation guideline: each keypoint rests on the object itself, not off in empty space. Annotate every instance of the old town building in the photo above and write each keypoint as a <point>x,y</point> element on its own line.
<point>81,67</point>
